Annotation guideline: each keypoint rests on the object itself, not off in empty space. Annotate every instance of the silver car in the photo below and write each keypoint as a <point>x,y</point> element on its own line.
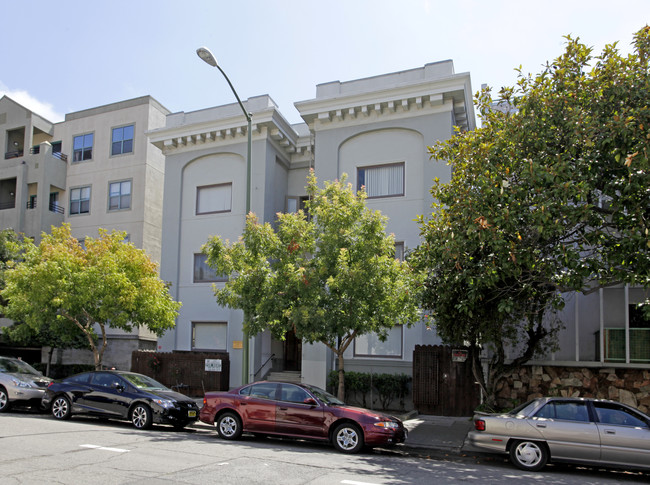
<point>20,383</point>
<point>574,430</point>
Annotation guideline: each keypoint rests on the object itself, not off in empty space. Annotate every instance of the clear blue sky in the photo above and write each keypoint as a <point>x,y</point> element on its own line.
<point>69,55</point>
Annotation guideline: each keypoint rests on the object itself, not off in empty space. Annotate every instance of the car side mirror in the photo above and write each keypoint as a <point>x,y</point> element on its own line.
<point>118,387</point>
<point>311,401</point>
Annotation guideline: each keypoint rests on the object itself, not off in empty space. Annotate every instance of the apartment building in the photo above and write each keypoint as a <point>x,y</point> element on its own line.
<point>96,169</point>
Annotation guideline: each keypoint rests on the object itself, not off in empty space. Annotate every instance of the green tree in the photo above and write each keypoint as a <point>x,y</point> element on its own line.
<point>550,195</point>
<point>108,284</point>
<point>329,277</point>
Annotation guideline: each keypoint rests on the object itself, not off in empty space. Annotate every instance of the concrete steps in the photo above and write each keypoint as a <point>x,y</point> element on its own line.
<point>285,376</point>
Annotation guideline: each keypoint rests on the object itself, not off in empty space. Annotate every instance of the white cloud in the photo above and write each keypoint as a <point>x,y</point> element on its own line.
<point>41,108</point>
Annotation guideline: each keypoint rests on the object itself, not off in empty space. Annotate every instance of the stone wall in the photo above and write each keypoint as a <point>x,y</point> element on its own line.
<point>629,386</point>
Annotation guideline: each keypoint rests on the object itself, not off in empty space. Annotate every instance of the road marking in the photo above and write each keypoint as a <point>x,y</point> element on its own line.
<point>97,447</point>
<point>352,482</point>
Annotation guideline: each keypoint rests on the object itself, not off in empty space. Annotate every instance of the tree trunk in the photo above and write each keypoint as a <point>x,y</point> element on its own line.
<point>49,361</point>
<point>341,390</point>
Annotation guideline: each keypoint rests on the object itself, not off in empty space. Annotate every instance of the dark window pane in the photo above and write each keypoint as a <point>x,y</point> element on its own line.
<point>85,207</point>
<point>125,202</point>
<point>127,147</point>
<point>117,148</point>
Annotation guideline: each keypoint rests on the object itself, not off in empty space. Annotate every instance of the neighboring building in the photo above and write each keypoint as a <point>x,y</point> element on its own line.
<point>96,169</point>
<point>376,130</point>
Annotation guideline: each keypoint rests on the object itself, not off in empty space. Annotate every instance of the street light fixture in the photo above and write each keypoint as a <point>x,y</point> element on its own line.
<point>205,54</point>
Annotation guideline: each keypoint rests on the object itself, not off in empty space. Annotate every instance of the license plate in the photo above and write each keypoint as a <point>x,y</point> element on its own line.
<point>191,414</point>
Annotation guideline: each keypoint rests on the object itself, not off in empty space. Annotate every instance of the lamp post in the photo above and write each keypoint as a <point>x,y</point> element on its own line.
<point>205,54</point>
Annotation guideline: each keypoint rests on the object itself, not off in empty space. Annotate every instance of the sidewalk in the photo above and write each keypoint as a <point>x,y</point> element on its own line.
<point>439,433</point>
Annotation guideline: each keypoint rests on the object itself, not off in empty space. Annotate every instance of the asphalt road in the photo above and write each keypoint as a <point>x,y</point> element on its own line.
<point>35,448</point>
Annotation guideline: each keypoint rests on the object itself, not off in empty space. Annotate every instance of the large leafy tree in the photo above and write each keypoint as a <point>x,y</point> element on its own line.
<point>63,288</point>
<point>329,276</point>
<point>551,194</point>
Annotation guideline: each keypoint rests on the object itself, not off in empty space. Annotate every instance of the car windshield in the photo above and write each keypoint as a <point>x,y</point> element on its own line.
<point>325,396</point>
<point>144,382</point>
<point>523,409</point>
<point>18,366</point>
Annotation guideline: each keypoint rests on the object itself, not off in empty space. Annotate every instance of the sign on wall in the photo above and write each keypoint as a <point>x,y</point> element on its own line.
<point>213,365</point>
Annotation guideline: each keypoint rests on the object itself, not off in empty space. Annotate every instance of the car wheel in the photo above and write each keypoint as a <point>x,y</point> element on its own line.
<point>61,408</point>
<point>347,438</point>
<point>229,426</point>
<point>141,416</point>
<point>528,455</point>
<point>4,400</point>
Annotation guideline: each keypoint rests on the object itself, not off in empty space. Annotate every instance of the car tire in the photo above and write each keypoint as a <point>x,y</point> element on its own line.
<point>229,426</point>
<point>141,416</point>
<point>347,438</point>
<point>528,455</point>
<point>4,400</point>
<point>61,407</point>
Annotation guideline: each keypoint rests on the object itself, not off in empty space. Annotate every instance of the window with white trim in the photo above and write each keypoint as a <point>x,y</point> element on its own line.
<point>399,251</point>
<point>214,198</point>
<point>381,180</point>
<point>369,345</point>
<point>209,336</point>
<point>80,200</point>
<point>119,195</point>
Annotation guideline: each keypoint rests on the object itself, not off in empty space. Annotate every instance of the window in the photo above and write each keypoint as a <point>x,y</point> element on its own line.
<point>369,345</point>
<point>565,411</point>
<point>399,251</point>
<point>382,180</point>
<point>296,203</point>
<point>122,140</point>
<point>119,195</point>
<point>83,147</point>
<point>204,273</point>
<point>209,335</point>
<point>266,390</point>
<point>80,200</point>
<point>292,393</point>
<point>213,198</point>
<point>615,414</point>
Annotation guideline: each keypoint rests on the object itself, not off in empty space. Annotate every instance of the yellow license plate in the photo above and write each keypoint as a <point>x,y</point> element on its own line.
<point>191,414</point>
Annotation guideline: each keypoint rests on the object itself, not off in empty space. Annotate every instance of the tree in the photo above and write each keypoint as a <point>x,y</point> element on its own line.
<point>329,277</point>
<point>107,284</point>
<point>550,195</point>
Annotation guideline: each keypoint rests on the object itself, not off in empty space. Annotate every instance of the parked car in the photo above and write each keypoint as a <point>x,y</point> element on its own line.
<point>298,411</point>
<point>120,395</point>
<point>575,430</point>
<point>20,384</point>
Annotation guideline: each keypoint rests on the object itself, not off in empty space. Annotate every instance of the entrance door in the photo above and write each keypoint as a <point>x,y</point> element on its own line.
<point>292,352</point>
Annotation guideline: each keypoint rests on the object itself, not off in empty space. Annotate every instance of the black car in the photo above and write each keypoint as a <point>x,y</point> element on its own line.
<point>120,395</point>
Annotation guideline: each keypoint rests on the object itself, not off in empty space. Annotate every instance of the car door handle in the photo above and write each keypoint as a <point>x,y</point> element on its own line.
<point>244,403</point>
<point>283,409</point>
<point>541,426</point>
<point>610,431</point>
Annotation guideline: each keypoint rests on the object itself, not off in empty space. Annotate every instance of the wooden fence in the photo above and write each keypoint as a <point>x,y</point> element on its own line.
<point>184,371</point>
<point>442,384</point>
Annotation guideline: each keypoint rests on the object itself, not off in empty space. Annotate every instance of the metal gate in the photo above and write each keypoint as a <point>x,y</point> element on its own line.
<point>443,384</point>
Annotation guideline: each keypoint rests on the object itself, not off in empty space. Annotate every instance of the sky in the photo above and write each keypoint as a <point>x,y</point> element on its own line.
<point>69,55</point>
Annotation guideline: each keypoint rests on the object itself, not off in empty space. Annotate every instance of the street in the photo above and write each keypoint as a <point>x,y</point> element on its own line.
<point>34,448</point>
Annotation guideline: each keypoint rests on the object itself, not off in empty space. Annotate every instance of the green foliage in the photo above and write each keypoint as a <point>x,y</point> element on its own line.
<point>60,289</point>
<point>550,195</point>
<point>360,385</point>
<point>328,277</point>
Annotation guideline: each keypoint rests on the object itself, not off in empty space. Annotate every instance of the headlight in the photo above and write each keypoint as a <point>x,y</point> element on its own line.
<point>387,424</point>
<point>165,403</point>
<point>19,383</point>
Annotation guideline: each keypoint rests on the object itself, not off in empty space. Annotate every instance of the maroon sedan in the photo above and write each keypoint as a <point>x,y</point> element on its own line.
<point>298,411</point>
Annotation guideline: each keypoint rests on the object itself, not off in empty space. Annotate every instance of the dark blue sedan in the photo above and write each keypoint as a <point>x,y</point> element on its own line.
<point>120,395</point>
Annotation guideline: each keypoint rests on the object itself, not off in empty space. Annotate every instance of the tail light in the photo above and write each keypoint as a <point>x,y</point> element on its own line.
<point>479,425</point>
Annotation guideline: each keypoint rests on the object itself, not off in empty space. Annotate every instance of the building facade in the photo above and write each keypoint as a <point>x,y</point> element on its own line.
<point>96,169</point>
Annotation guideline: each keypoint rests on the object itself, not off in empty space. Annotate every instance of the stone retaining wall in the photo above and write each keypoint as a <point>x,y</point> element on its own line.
<point>629,386</point>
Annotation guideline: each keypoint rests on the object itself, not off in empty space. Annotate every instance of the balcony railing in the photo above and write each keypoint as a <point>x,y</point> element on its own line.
<point>54,207</point>
<point>31,203</point>
<point>36,149</point>
<point>615,345</point>
<point>13,154</point>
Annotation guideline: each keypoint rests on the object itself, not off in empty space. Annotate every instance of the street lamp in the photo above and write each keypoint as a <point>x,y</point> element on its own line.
<point>205,54</point>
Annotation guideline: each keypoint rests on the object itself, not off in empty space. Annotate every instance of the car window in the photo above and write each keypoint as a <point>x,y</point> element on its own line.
<point>79,378</point>
<point>16,365</point>
<point>614,414</point>
<point>564,411</point>
<point>104,379</point>
<point>523,409</point>
<point>140,381</point>
<point>264,390</point>
<point>291,393</point>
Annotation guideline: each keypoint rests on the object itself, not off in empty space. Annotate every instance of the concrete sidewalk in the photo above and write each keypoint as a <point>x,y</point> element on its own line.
<point>440,433</point>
